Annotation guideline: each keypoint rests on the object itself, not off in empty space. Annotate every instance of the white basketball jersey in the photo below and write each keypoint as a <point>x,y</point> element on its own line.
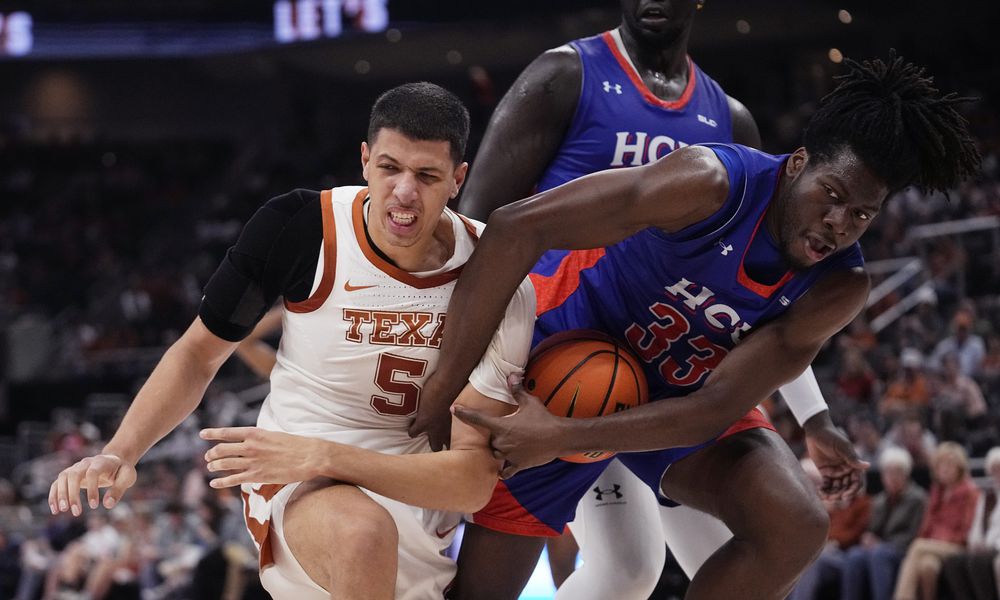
<point>353,357</point>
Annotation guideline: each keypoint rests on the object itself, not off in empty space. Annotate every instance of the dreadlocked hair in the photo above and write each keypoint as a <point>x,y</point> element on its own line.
<point>891,115</point>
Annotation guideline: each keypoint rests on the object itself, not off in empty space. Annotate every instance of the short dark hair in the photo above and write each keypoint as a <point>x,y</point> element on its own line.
<point>897,122</point>
<point>422,111</point>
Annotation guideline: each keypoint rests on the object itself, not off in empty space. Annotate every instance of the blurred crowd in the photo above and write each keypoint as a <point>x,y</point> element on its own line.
<point>104,249</point>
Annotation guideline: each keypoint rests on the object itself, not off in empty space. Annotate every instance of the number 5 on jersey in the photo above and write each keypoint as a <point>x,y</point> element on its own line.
<point>392,376</point>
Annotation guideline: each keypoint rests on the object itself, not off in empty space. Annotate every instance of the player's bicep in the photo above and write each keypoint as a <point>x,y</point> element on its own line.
<point>601,209</point>
<point>204,345</point>
<point>524,133</point>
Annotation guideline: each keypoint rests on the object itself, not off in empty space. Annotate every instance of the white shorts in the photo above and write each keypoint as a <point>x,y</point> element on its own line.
<point>424,573</point>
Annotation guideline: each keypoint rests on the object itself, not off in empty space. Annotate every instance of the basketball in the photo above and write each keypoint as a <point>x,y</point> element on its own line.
<point>585,374</point>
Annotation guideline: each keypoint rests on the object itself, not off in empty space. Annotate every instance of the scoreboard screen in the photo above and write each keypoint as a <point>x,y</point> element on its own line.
<point>15,33</point>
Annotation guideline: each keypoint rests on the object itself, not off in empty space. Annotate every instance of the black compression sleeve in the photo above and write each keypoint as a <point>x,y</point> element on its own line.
<point>275,255</point>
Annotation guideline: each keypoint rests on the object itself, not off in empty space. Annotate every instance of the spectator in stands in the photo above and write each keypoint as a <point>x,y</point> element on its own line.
<point>969,574</point>
<point>969,347</point>
<point>909,390</point>
<point>868,442</point>
<point>990,371</point>
<point>909,433</point>
<point>945,525</point>
<point>10,565</point>
<point>856,379</point>
<point>848,521</point>
<point>958,402</point>
<point>871,565</point>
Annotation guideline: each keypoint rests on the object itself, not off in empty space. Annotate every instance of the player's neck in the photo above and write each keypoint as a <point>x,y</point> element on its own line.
<point>776,210</point>
<point>426,254</point>
<point>669,61</point>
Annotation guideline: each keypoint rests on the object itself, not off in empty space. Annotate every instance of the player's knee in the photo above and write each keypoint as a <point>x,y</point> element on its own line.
<point>800,528</point>
<point>813,527</point>
<point>364,531</point>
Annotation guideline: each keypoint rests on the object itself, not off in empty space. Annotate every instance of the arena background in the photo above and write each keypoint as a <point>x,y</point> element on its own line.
<point>137,137</point>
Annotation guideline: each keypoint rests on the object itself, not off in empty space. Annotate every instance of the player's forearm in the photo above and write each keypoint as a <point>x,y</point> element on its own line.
<point>171,393</point>
<point>451,480</point>
<point>489,280</point>
<point>744,378</point>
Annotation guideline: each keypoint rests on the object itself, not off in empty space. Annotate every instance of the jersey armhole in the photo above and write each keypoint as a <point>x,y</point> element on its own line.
<point>322,292</point>
<point>715,223</point>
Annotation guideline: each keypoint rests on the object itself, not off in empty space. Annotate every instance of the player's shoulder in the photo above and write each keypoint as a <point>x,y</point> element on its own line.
<point>295,201</point>
<point>290,203</point>
<point>346,194</point>
<point>474,226</point>
<point>557,64</point>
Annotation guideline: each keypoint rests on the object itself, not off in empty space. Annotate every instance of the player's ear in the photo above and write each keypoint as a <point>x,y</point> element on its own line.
<point>460,172</point>
<point>796,163</point>
<point>365,158</point>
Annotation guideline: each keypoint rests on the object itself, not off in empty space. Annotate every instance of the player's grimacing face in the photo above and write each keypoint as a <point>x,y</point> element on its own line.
<point>828,205</point>
<point>410,182</point>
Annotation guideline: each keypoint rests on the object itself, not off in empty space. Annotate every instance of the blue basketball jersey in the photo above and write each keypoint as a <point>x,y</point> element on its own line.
<point>620,123</point>
<point>682,301</point>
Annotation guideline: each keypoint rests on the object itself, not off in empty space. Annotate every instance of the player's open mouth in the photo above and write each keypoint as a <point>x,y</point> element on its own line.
<point>653,15</point>
<point>401,221</point>
<point>818,248</point>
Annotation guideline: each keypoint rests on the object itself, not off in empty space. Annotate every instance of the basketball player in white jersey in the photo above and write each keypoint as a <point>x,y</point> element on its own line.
<point>354,507</point>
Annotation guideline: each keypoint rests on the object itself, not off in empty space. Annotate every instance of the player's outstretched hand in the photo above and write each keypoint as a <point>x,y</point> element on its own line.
<point>522,439</point>
<point>253,455</point>
<point>91,474</point>
<point>843,472</point>
<point>433,417</point>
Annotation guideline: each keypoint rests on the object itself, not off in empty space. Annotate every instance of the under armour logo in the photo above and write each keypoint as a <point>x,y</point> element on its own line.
<point>726,248</point>
<point>707,121</point>
<point>614,490</point>
<point>616,87</point>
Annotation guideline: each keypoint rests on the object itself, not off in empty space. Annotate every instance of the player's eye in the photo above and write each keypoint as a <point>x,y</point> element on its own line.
<point>428,178</point>
<point>390,168</point>
<point>830,192</point>
<point>862,215</point>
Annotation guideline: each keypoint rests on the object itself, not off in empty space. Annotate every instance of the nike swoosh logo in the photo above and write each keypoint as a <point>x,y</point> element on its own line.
<point>443,534</point>
<point>353,288</point>
<point>572,402</point>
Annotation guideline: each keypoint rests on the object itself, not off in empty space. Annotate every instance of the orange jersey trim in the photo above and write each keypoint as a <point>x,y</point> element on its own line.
<point>552,290</point>
<point>640,85</point>
<point>421,283</point>
<point>764,291</point>
<point>329,259</point>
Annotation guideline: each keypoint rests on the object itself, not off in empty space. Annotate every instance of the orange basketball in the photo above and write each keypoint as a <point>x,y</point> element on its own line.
<point>583,374</point>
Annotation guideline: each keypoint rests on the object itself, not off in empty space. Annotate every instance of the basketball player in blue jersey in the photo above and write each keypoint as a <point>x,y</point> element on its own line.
<point>624,98</point>
<point>725,270</point>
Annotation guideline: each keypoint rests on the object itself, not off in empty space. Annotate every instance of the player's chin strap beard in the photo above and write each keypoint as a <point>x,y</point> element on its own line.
<point>368,235</point>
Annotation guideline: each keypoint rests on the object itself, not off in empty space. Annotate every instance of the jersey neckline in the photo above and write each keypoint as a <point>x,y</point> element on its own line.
<point>614,42</point>
<point>358,218</point>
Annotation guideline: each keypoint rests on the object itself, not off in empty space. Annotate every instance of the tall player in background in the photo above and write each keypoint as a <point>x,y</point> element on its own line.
<point>625,98</point>
<point>726,270</point>
<point>353,506</point>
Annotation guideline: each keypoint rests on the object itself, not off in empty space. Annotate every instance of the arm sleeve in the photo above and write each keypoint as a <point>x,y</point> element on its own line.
<point>804,397</point>
<point>275,255</point>
<point>508,350</point>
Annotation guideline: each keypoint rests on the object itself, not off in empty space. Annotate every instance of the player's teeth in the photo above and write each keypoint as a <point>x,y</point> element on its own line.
<point>401,218</point>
